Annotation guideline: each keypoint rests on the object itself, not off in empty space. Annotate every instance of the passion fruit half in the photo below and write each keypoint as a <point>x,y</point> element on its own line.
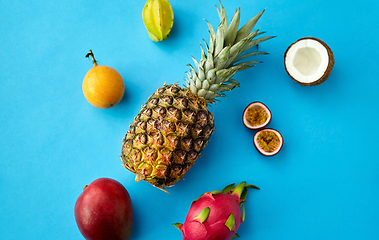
<point>256,116</point>
<point>268,141</point>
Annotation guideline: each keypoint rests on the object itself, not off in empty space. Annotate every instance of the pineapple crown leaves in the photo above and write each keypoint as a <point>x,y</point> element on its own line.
<point>210,77</point>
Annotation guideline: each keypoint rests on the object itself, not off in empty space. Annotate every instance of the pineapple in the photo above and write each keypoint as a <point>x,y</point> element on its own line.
<point>174,126</point>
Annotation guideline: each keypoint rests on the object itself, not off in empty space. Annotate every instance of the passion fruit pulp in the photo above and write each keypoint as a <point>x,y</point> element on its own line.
<point>268,141</point>
<point>256,116</point>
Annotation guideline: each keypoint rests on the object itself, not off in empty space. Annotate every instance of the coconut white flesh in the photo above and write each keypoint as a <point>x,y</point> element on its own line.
<point>307,60</point>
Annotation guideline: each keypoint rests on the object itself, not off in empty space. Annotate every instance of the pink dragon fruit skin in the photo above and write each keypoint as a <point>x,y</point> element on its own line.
<point>216,215</point>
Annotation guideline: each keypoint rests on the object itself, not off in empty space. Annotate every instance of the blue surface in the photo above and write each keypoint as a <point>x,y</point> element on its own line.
<point>322,185</point>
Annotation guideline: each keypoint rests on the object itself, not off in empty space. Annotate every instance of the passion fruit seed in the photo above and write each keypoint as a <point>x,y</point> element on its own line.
<point>256,116</point>
<point>268,141</point>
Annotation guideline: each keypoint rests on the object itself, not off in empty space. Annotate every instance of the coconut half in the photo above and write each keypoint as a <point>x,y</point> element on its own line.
<point>309,61</point>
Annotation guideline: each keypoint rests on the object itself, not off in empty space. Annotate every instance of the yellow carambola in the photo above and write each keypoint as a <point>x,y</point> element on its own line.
<point>158,18</point>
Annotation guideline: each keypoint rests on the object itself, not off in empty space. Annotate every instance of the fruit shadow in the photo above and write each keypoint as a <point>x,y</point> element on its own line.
<point>142,203</point>
<point>283,152</point>
<point>125,99</point>
<point>180,30</point>
<point>126,105</point>
<point>138,223</point>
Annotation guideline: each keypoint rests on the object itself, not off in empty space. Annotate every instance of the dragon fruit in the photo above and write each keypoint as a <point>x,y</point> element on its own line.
<point>216,215</point>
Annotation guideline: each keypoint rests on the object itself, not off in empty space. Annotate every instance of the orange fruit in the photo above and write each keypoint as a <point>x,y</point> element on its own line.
<point>103,86</point>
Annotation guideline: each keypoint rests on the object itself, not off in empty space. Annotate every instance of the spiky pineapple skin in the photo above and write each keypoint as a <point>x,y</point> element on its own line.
<point>167,136</point>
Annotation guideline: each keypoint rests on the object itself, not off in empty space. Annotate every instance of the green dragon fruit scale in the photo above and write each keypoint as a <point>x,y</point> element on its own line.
<point>216,215</point>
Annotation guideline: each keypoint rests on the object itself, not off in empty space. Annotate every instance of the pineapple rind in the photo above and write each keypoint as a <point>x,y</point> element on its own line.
<point>167,136</point>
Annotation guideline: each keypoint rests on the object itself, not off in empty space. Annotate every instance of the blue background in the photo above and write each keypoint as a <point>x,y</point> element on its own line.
<point>323,184</point>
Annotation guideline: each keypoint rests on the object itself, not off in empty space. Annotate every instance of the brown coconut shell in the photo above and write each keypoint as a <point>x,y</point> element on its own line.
<point>328,70</point>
